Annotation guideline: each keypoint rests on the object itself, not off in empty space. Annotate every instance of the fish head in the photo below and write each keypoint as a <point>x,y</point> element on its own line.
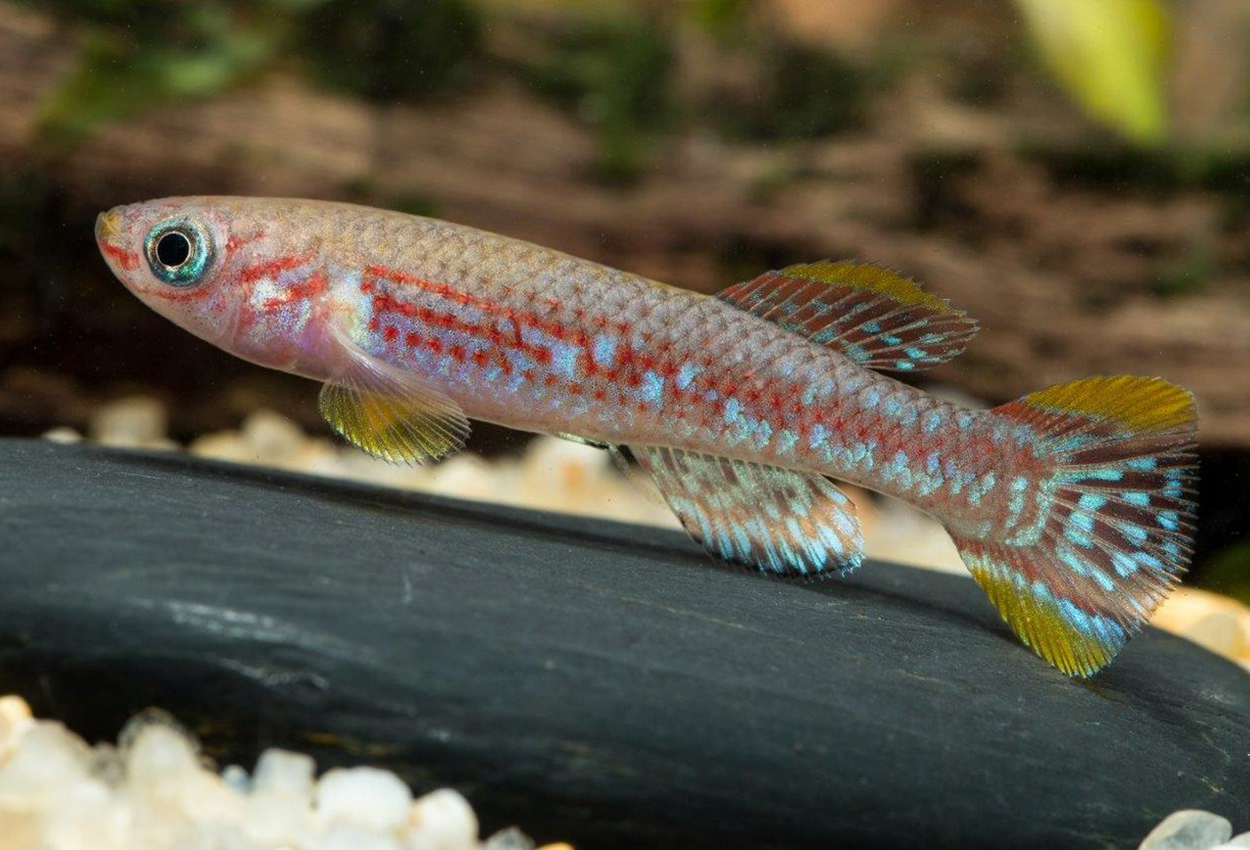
<point>229,270</point>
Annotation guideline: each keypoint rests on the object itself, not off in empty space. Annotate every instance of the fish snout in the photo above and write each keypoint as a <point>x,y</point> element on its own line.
<point>107,226</point>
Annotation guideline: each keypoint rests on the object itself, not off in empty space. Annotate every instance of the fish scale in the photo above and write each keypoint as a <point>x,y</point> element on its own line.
<point>1071,506</point>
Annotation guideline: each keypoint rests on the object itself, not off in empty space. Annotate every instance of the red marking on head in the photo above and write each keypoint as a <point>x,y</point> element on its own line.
<point>374,324</point>
<point>457,351</point>
<point>235,242</point>
<point>412,340</point>
<point>480,357</point>
<point>128,260</point>
<point>366,286</point>
<point>575,389</point>
<point>269,268</point>
<point>312,286</point>
<point>528,375</point>
<point>194,293</point>
<point>389,333</point>
<point>599,395</point>
<point>433,344</point>
<point>551,380</point>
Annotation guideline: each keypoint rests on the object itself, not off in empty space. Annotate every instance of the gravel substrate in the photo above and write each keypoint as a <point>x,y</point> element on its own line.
<point>152,791</point>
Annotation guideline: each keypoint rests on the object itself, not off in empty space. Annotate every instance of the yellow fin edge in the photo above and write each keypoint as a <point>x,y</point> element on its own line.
<point>1135,403</point>
<point>870,278</point>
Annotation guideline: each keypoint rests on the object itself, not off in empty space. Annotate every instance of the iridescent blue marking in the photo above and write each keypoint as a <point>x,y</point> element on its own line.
<point>1140,464</point>
<point>1124,564</point>
<point>763,433</point>
<point>605,349</point>
<point>1091,502</point>
<point>819,434</point>
<point>1015,501</point>
<point>1135,533</point>
<point>564,358</point>
<point>652,389</point>
<point>1080,538</point>
<point>1169,520</point>
<point>1136,497</point>
<point>1072,560</point>
<point>786,438</point>
<point>687,374</point>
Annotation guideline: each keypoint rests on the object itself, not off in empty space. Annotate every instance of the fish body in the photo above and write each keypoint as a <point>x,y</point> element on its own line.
<point>1070,506</point>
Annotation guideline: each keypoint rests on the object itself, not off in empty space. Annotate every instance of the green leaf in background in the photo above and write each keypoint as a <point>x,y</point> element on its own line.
<point>1109,54</point>
<point>122,71</point>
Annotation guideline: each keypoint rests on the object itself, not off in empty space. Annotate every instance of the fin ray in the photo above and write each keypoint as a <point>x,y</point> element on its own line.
<point>390,413</point>
<point>1116,531</point>
<point>776,520</point>
<point>874,316</point>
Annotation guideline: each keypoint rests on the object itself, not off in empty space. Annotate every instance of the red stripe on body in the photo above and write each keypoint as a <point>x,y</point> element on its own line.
<point>312,286</point>
<point>628,361</point>
<point>253,273</point>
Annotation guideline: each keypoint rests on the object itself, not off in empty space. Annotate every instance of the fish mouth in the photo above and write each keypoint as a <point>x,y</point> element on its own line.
<point>107,226</point>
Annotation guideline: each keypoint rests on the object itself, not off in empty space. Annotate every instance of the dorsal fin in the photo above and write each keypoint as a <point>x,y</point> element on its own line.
<point>872,315</point>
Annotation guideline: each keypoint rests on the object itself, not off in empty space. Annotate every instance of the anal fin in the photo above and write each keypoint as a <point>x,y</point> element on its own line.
<point>775,520</point>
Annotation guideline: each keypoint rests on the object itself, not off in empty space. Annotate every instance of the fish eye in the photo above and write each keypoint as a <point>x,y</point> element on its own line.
<point>178,252</point>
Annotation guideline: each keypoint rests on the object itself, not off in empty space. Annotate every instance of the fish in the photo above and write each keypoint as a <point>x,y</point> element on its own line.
<point>1072,507</point>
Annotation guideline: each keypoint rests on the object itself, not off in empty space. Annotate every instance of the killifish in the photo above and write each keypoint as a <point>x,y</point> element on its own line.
<point>1072,506</point>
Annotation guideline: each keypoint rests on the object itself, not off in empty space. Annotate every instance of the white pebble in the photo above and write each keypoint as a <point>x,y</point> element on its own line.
<point>1188,829</point>
<point>344,836</point>
<point>287,772</point>
<point>442,820</point>
<point>15,721</point>
<point>1236,842</point>
<point>212,835</point>
<point>48,759</point>
<point>271,437</point>
<point>363,796</point>
<point>136,421</point>
<point>157,754</point>
<point>63,434</point>
<point>509,839</point>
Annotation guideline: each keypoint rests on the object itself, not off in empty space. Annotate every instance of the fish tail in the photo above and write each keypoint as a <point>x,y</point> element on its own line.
<point>1112,528</point>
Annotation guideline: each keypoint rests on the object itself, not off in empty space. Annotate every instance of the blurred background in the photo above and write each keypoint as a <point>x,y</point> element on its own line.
<point>1074,173</point>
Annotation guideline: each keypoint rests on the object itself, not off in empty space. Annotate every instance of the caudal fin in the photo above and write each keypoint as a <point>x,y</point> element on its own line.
<point>1117,528</point>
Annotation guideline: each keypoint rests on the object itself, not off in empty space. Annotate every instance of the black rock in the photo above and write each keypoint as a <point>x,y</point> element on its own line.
<point>592,682</point>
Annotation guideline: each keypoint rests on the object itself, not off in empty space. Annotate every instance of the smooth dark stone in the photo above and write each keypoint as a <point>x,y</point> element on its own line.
<point>593,682</point>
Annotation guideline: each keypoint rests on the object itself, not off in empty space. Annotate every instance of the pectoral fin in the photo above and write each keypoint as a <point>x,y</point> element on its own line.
<point>388,412</point>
